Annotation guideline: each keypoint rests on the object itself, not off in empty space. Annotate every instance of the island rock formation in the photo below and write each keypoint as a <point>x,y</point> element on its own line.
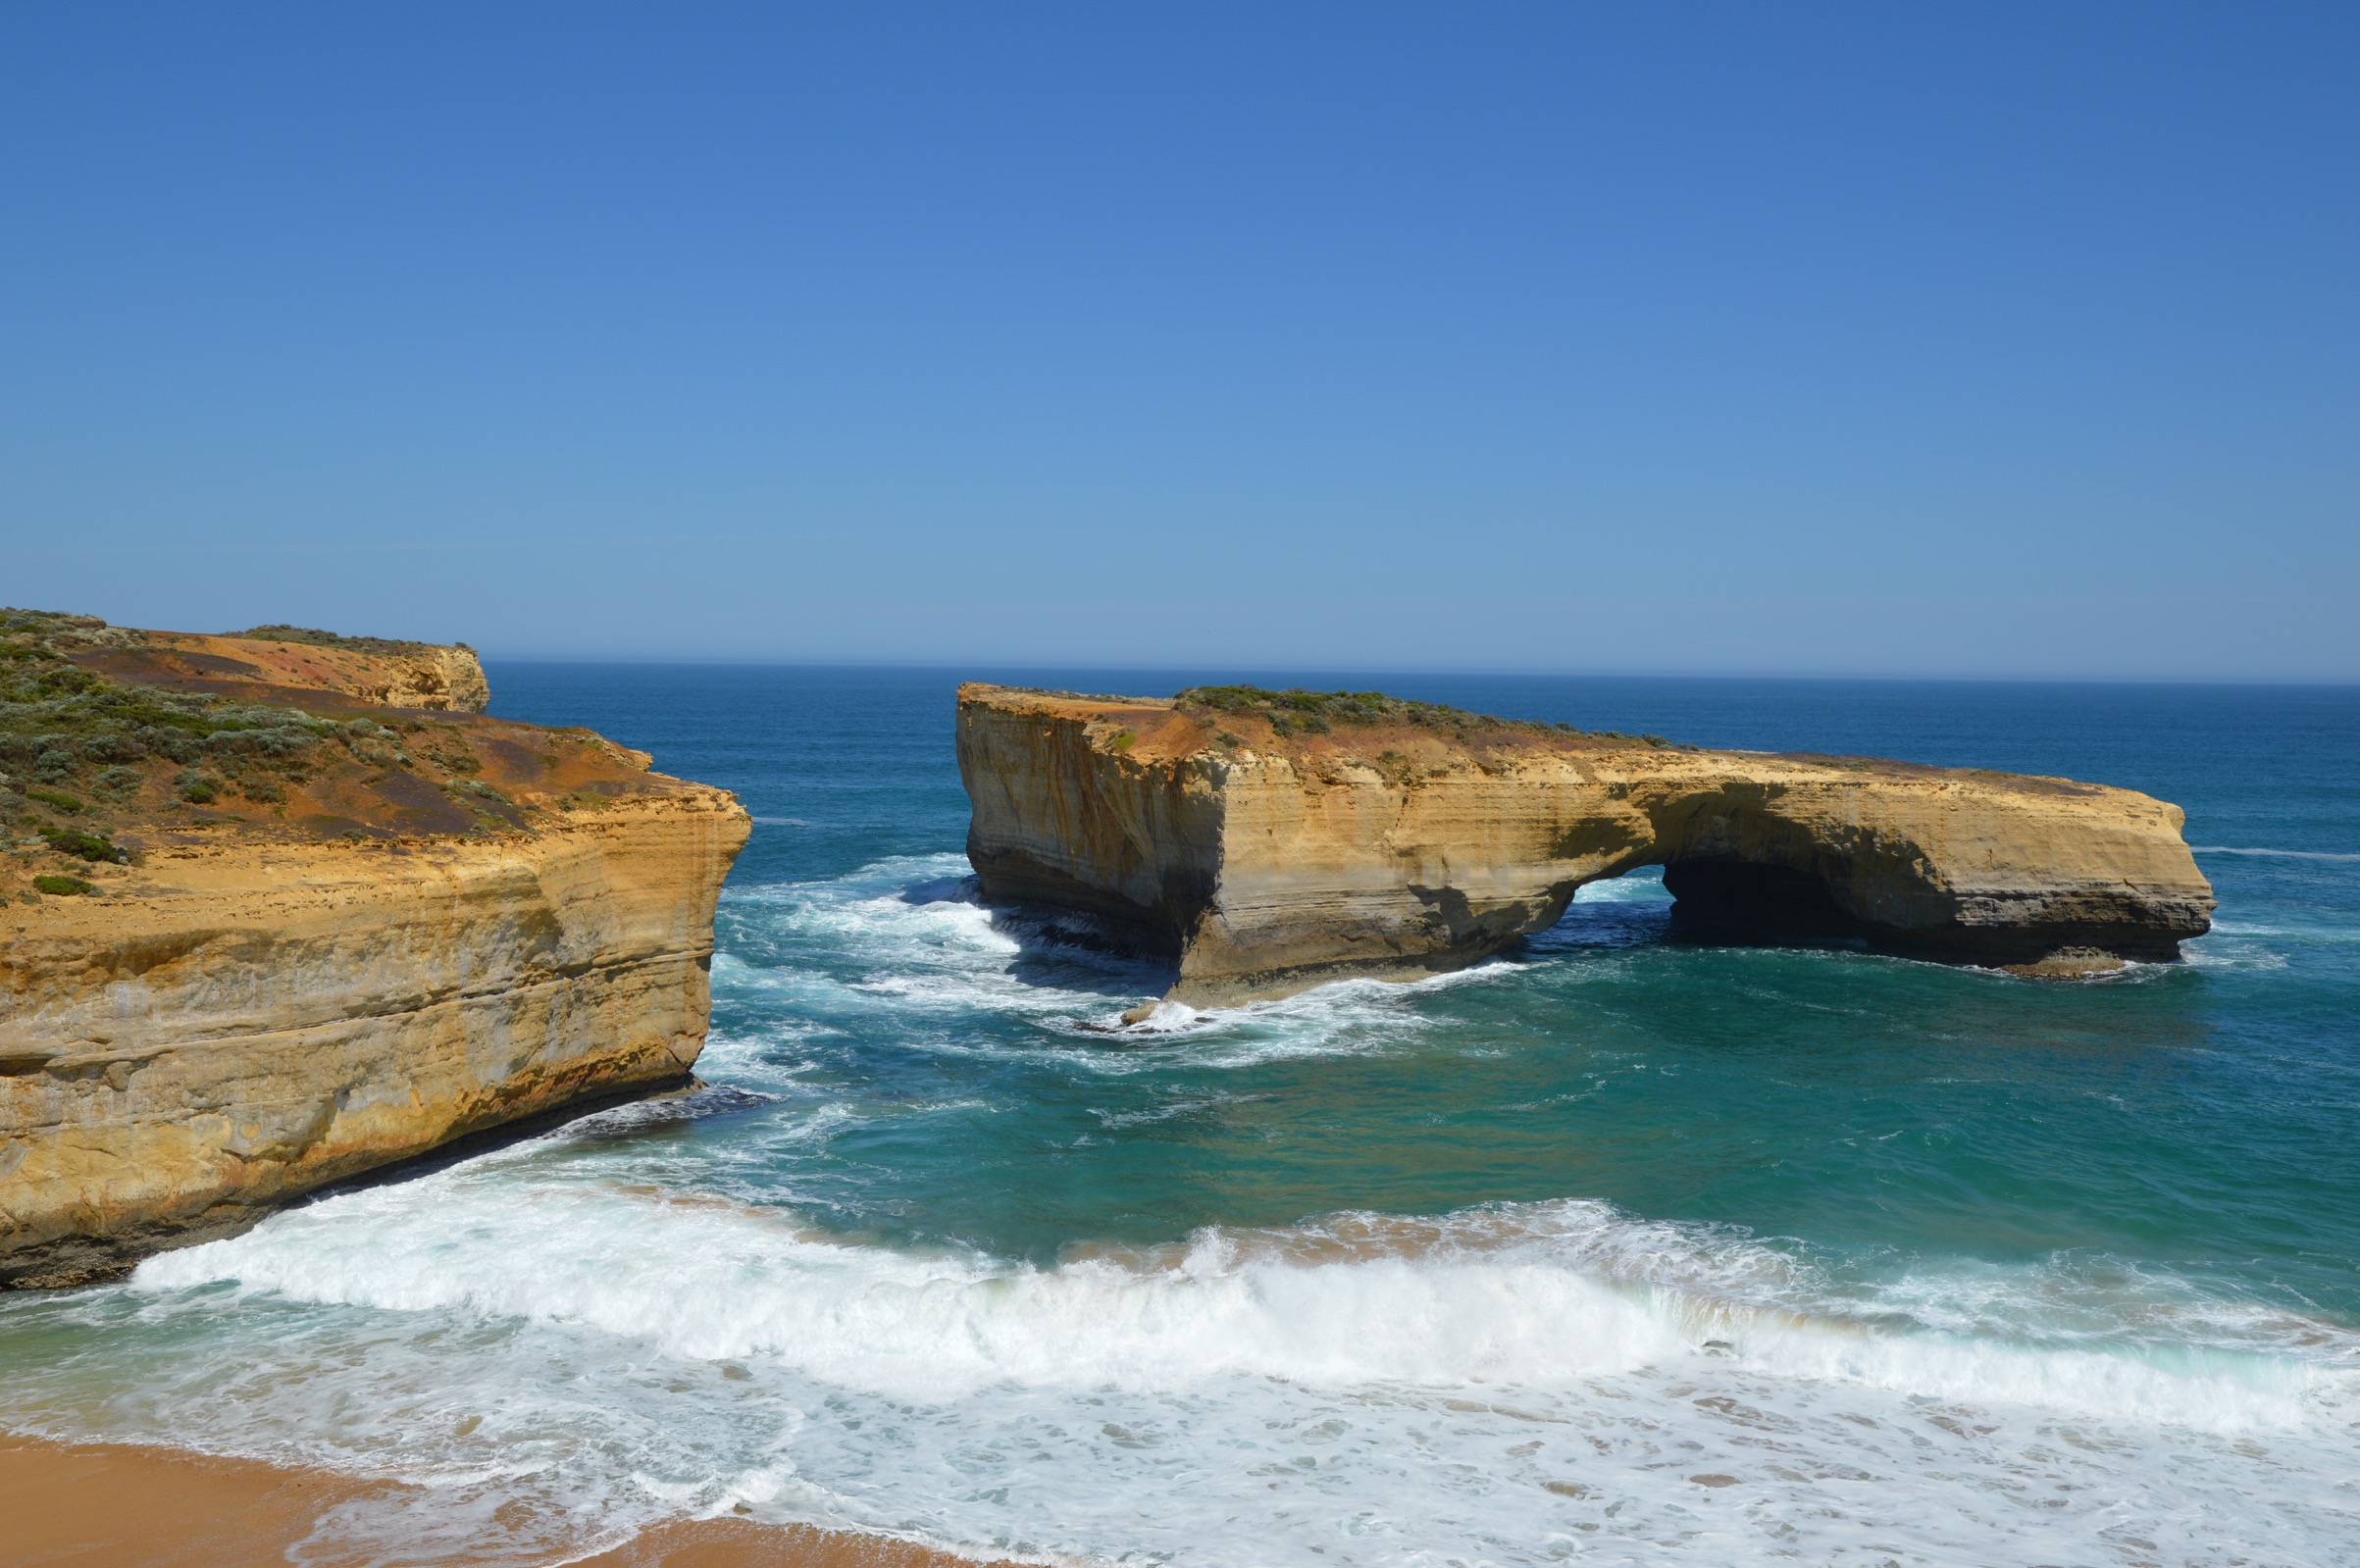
<point>253,949</point>
<point>1264,842</point>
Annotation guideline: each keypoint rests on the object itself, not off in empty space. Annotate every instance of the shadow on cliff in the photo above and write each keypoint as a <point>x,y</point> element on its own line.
<point>1056,949</point>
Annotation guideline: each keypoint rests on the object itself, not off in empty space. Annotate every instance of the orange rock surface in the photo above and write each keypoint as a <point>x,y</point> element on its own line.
<point>1262,856</point>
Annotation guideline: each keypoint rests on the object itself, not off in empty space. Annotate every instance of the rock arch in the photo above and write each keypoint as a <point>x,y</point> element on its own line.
<point>1261,860</point>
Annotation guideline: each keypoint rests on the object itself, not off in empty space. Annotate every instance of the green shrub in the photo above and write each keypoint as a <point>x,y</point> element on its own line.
<point>118,781</point>
<point>55,800</point>
<point>45,623</point>
<point>91,847</point>
<point>1298,710</point>
<point>63,886</point>
<point>54,715</point>
<point>1315,712</point>
<point>315,637</point>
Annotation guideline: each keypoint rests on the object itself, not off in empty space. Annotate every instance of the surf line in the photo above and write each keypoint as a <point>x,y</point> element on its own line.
<point>2283,854</point>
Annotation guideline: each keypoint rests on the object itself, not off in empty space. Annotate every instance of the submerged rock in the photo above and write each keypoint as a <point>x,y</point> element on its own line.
<point>1264,842</point>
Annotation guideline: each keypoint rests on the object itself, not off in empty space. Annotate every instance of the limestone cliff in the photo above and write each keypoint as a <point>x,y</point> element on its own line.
<point>1267,841</point>
<point>250,950</point>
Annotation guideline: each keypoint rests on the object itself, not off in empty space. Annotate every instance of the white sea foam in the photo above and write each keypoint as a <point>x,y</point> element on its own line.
<point>1536,1295</point>
<point>1429,1379</point>
<point>2206,953</point>
<point>907,941</point>
<point>1645,886</point>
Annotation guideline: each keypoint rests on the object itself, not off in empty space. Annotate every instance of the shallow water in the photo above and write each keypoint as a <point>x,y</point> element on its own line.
<point>1615,1250</point>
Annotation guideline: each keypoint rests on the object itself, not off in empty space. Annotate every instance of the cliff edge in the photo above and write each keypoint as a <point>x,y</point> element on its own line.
<point>1267,841</point>
<point>284,664</point>
<point>262,935</point>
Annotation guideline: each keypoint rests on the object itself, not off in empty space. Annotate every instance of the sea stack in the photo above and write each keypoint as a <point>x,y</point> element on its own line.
<point>1264,842</point>
<point>284,908</point>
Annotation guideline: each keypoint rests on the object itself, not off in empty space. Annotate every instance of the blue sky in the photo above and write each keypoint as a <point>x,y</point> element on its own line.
<point>1855,339</point>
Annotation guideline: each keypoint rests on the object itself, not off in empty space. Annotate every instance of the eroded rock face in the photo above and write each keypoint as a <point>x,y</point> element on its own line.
<point>233,1026</point>
<point>1261,861</point>
<point>248,949</point>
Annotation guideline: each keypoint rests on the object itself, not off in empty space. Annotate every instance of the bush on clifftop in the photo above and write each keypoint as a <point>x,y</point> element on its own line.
<point>58,720</point>
<point>315,637</point>
<point>1314,712</point>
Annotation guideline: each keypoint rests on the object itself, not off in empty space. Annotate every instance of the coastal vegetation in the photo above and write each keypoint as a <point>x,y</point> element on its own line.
<point>59,720</point>
<point>94,746</point>
<point>315,637</point>
<point>63,724</point>
<point>1296,710</point>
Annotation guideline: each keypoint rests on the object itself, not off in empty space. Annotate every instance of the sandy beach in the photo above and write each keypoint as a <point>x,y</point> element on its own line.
<point>110,1506</point>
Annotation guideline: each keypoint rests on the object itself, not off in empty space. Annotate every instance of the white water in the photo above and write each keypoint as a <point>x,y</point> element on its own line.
<point>1510,1384</point>
<point>571,1342</point>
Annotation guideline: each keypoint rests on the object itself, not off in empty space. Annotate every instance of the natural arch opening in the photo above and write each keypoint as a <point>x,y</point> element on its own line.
<point>1714,901</point>
<point>1752,904</point>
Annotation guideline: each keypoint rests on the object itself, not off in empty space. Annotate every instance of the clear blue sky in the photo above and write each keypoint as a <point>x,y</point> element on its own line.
<point>1874,339</point>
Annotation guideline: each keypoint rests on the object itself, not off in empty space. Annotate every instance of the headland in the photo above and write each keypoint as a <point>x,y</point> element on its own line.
<point>282,912</point>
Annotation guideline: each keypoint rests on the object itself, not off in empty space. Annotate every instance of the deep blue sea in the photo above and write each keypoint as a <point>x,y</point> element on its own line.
<point>1615,1249</point>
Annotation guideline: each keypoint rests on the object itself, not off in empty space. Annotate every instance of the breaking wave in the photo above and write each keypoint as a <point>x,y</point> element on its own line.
<point>1531,1294</point>
<point>1433,1353</point>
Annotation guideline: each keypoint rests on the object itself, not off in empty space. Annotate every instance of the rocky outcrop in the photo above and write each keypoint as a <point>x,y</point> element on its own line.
<point>292,664</point>
<point>1264,842</point>
<point>252,950</point>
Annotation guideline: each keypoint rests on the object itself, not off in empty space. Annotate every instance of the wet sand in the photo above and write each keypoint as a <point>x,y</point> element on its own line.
<point>107,1506</point>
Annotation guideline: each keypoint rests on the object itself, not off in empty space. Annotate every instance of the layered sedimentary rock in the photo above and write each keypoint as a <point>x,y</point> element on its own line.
<point>262,949</point>
<point>236,1025</point>
<point>1264,842</point>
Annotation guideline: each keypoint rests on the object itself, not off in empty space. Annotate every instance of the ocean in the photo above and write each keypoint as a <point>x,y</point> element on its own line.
<point>1612,1250</point>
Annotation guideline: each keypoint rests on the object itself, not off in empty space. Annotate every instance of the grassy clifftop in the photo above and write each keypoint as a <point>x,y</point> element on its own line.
<point>1296,710</point>
<point>96,770</point>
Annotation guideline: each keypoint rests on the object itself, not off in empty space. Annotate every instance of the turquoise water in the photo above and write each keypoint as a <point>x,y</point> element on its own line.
<point>1615,1250</point>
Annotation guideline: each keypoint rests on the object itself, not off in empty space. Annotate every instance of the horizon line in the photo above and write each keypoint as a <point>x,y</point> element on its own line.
<point>1512,672</point>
